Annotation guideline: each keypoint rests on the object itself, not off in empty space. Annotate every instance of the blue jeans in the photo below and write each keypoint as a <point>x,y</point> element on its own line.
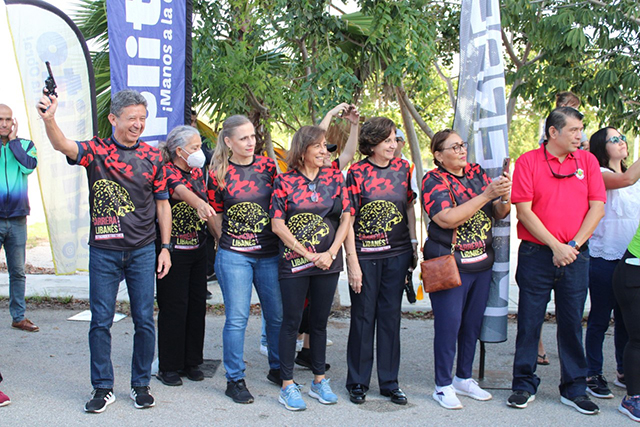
<point>236,273</point>
<point>106,268</point>
<point>13,236</point>
<point>602,303</point>
<point>536,277</point>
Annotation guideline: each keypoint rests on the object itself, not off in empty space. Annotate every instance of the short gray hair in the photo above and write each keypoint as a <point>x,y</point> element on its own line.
<point>126,98</point>
<point>180,136</point>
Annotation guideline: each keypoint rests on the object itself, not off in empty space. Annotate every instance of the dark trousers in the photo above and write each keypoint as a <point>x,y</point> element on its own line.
<point>458,314</point>
<point>181,296</point>
<point>376,309</point>
<point>210,244</point>
<point>536,277</point>
<point>626,287</point>
<point>603,302</point>
<point>321,289</point>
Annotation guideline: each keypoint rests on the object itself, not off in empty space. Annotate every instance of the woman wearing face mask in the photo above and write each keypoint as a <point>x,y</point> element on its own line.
<point>240,187</point>
<point>181,294</point>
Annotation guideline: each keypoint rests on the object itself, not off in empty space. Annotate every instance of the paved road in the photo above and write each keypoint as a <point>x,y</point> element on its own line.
<point>47,377</point>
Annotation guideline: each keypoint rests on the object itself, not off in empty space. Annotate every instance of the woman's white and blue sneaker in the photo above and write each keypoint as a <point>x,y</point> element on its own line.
<point>291,398</point>
<point>322,391</point>
<point>630,406</point>
<point>446,397</point>
<point>470,388</point>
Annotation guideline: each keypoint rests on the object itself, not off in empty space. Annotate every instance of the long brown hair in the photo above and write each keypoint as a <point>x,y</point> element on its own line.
<point>220,159</point>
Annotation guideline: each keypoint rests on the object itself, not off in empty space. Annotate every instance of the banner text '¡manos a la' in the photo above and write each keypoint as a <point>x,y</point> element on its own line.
<point>151,33</point>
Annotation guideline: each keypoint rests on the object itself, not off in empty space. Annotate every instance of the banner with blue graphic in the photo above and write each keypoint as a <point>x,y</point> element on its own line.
<point>40,32</point>
<point>147,53</point>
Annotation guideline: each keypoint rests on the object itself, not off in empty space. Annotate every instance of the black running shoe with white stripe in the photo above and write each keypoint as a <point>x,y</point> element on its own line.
<point>141,397</point>
<point>100,399</point>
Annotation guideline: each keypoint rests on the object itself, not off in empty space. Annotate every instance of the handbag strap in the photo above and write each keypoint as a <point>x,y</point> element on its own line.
<point>455,230</point>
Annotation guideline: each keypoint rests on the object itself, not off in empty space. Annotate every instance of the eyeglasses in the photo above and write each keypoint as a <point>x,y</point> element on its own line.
<point>314,194</point>
<point>457,147</point>
<point>617,139</point>
<point>557,175</point>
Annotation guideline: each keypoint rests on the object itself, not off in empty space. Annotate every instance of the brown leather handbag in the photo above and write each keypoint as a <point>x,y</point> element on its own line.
<point>441,273</point>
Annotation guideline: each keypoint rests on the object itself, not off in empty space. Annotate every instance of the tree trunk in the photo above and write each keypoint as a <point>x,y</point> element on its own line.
<point>412,137</point>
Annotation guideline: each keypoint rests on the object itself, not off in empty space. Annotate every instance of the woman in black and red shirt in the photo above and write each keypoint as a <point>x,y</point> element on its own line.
<point>240,187</point>
<point>458,312</point>
<point>181,294</point>
<point>379,252</point>
<point>310,214</point>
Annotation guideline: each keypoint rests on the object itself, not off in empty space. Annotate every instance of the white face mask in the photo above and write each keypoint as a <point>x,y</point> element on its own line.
<point>195,159</point>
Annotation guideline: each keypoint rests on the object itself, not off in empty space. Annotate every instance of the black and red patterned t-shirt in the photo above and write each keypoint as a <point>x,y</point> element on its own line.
<point>124,183</point>
<point>244,204</point>
<point>473,251</point>
<point>311,210</point>
<point>380,197</point>
<point>187,229</point>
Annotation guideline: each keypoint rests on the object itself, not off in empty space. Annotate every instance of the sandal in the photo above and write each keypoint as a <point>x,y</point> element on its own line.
<point>543,359</point>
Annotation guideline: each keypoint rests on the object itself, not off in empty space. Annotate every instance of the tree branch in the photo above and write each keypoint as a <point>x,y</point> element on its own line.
<point>602,4</point>
<point>414,113</point>
<point>510,51</point>
<point>447,80</point>
<point>307,69</point>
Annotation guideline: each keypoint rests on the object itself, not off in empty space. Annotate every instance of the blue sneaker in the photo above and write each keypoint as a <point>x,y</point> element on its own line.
<point>322,392</point>
<point>630,406</point>
<point>291,398</point>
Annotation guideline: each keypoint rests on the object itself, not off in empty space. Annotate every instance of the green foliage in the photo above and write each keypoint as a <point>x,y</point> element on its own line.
<point>588,47</point>
<point>91,18</point>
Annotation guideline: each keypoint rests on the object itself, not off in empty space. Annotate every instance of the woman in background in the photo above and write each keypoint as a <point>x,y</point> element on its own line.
<point>606,247</point>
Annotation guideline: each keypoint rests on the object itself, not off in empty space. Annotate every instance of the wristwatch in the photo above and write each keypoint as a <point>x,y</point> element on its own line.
<point>167,246</point>
<point>333,257</point>
<point>574,245</point>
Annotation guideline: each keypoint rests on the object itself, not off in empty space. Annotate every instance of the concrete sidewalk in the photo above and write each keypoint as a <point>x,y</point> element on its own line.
<point>77,285</point>
<point>46,374</point>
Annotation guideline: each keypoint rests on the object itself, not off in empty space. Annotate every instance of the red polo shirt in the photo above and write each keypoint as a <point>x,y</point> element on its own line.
<point>560,203</point>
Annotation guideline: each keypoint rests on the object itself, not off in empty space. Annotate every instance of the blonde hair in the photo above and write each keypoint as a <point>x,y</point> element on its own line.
<point>220,160</point>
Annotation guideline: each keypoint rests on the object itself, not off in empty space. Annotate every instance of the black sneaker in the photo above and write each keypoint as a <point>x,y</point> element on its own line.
<point>520,399</point>
<point>169,378</point>
<point>237,390</point>
<point>274,376</point>
<point>597,385</point>
<point>193,373</point>
<point>304,359</point>
<point>581,404</point>
<point>100,399</point>
<point>141,397</point>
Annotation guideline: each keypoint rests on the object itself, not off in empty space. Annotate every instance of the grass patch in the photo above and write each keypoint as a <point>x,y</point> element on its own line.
<point>37,234</point>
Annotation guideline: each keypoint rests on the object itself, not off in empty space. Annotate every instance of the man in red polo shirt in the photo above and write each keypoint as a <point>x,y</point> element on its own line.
<point>559,195</point>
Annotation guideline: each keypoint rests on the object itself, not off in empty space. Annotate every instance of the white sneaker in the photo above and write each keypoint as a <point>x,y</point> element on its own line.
<point>446,397</point>
<point>470,388</point>
<point>329,342</point>
<point>264,350</point>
